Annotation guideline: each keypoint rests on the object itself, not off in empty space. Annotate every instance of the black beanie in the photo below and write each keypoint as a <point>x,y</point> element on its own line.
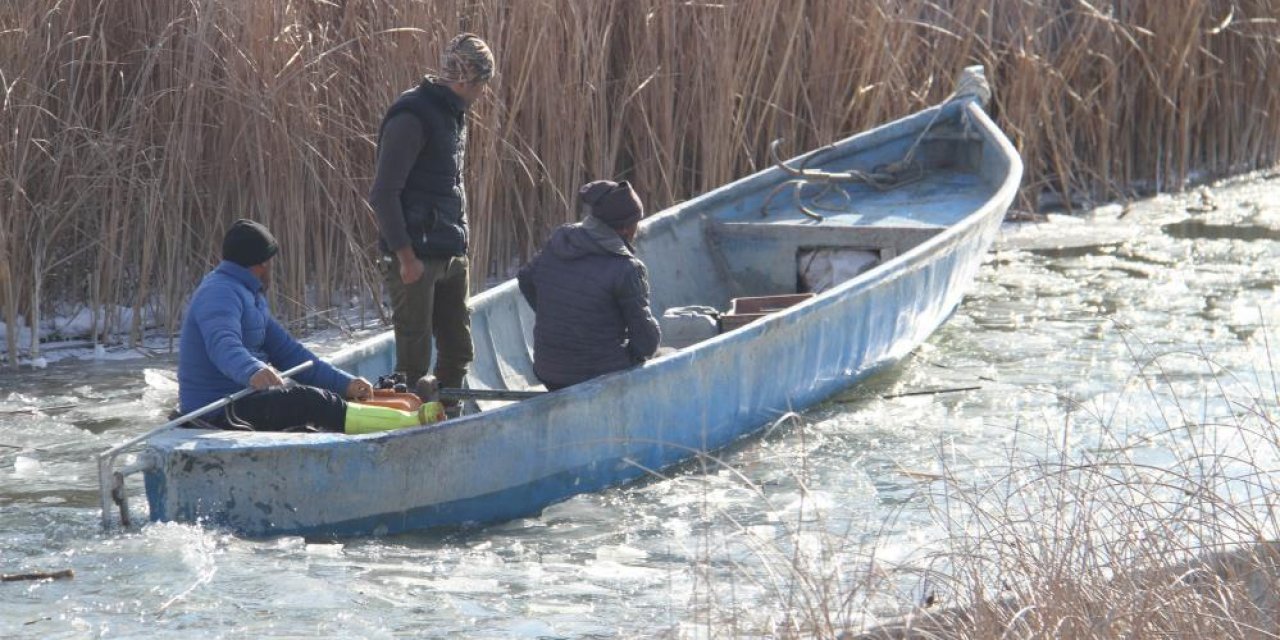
<point>248,243</point>
<point>613,203</point>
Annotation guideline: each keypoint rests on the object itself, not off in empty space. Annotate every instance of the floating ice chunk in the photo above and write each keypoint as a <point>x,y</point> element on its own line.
<point>456,585</point>
<point>26,466</point>
<point>290,543</point>
<point>523,628</point>
<point>609,570</point>
<point>1109,210</point>
<point>331,550</point>
<point>621,554</point>
<point>159,380</point>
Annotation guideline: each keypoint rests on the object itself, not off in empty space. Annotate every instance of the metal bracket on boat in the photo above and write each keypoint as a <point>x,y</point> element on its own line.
<point>144,462</point>
<point>111,483</point>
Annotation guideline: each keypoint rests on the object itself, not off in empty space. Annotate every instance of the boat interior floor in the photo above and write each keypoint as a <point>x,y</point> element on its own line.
<point>755,252</point>
<point>734,251</point>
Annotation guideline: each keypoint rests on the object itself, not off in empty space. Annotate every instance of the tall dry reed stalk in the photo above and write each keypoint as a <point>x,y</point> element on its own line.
<point>134,132</point>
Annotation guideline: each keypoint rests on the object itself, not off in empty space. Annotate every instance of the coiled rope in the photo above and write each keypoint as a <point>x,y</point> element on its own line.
<point>972,84</point>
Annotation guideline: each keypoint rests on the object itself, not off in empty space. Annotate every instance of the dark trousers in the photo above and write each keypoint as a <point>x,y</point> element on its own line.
<point>292,408</point>
<point>434,306</point>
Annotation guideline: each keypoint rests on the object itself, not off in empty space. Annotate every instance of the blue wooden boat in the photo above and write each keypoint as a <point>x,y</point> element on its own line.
<point>927,226</point>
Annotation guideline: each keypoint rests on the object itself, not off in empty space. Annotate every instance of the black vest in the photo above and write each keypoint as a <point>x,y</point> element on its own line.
<point>434,198</point>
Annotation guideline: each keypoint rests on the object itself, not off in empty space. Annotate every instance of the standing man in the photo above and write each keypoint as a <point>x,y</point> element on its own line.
<point>420,202</point>
<point>590,293</point>
<point>230,341</point>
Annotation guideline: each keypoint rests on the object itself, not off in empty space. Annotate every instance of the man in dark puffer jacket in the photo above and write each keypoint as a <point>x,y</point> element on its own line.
<point>590,292</point>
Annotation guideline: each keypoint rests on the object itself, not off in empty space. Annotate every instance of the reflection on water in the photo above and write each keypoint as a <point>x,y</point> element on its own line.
<point>1061,312</point>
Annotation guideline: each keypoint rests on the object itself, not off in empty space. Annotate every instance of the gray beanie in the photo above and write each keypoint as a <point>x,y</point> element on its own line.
<point>613,203</point>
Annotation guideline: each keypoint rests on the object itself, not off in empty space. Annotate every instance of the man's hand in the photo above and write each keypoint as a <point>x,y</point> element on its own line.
<point>266,378</point>
<point>411,268</point>
<point>359,389</point>
<point>411,271</point>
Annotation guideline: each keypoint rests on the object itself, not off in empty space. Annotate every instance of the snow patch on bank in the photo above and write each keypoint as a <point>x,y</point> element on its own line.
<point>69,336</point>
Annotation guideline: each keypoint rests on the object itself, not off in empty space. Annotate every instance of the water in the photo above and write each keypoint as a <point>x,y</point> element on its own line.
<point>1051,337</point>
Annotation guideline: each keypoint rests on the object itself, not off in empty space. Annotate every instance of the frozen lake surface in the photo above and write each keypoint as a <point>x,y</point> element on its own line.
<point>1050,335</point>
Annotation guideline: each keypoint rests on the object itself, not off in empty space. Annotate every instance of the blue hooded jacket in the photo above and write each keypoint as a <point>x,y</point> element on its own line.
<point>228,335</point>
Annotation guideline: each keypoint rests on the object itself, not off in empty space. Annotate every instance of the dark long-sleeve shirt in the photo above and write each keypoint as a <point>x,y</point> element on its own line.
<point>402,140</point>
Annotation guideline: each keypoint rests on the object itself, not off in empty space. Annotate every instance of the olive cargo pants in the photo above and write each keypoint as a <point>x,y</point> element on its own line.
<point>435,305</point>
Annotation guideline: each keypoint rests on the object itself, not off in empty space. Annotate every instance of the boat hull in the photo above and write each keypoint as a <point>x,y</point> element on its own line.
<point>514,460</point>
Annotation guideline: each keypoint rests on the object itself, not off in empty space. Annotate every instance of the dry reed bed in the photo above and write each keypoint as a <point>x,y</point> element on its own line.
<point>135,131</point>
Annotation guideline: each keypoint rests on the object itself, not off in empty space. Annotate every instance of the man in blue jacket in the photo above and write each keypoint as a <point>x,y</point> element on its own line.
<point>590,293</point>
<point>230,341</point>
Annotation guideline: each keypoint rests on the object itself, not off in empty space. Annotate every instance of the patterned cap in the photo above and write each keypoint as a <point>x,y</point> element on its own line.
<point>466,59</point>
